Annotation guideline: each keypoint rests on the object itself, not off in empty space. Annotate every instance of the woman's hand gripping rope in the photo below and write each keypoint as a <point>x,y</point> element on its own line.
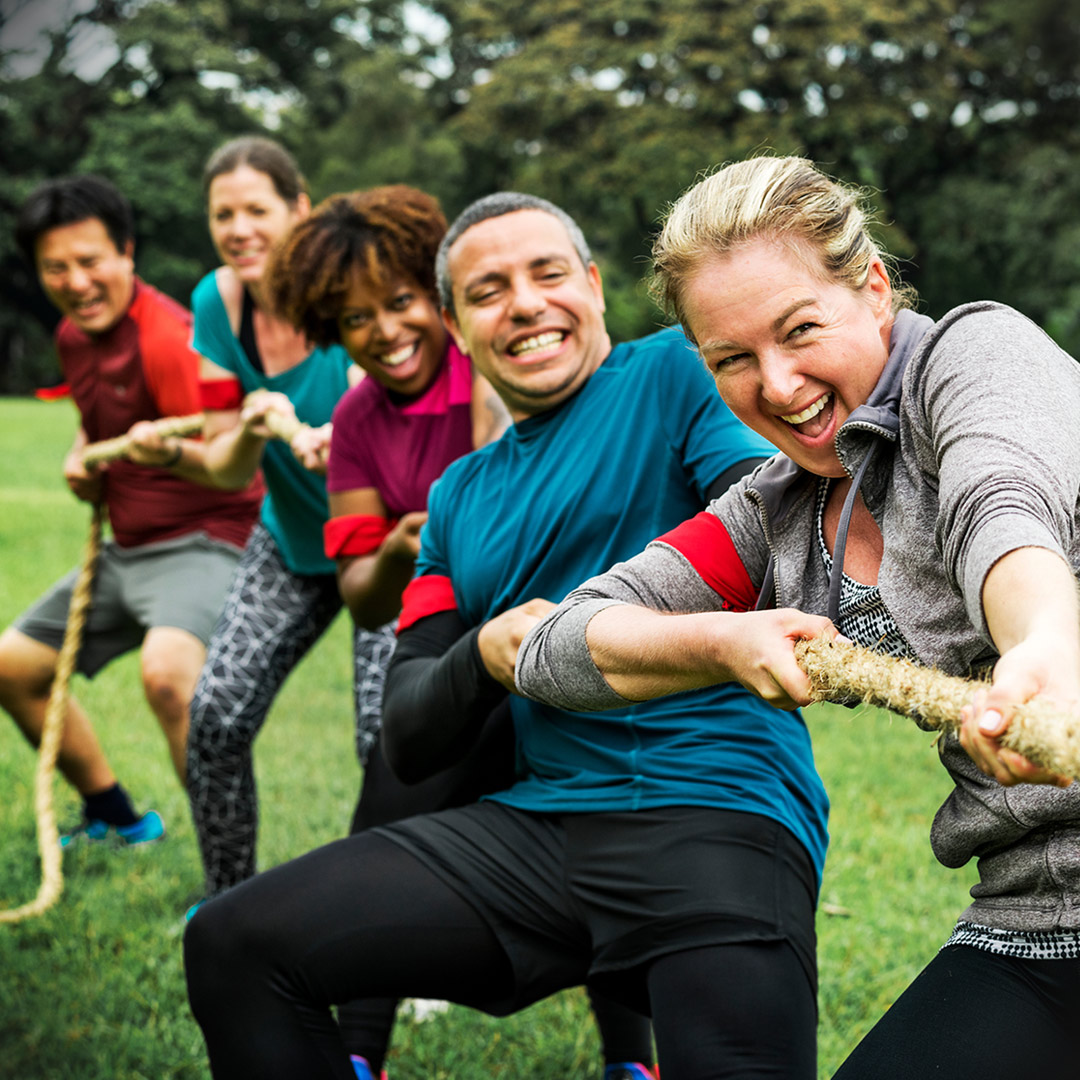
<point>1040,739</point>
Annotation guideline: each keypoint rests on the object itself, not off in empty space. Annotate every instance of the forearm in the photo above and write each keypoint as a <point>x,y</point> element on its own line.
<point>437,697</point>
<point>231,458</point>
<point>645,654</point>
<point>190,463</point>
<point>1031,592</point>
<point>371,587</point>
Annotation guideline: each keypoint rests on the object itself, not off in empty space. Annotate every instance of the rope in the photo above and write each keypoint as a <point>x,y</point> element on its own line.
<point>98,453</point>
<point>114,449</point>
<point>842,673</point>
<point>283,427</point>
<point>52,880</point>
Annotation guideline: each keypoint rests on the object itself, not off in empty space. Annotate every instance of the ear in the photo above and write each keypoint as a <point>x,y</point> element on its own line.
<point>303,205</point>
<point>878,289</point>
<point>596,285</point>
<point>451,324</point>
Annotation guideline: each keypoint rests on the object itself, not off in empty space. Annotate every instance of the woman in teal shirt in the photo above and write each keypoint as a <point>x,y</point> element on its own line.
<point>284,594</point>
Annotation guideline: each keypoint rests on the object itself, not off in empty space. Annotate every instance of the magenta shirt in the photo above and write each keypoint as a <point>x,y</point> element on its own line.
<point>401,450</point>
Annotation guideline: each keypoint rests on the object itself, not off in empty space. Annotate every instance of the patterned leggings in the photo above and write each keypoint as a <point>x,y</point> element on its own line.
<point>270,620</point>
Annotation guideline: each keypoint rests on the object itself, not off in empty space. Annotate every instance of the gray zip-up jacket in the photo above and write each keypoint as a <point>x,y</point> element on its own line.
<point>977,421</point>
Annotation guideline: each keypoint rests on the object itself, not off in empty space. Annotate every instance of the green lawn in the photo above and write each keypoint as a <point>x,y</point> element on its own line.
<point>94,989</point>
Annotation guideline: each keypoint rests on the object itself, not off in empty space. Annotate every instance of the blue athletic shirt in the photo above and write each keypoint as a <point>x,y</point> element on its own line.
<point>295,508</point>
<point>565,495</point>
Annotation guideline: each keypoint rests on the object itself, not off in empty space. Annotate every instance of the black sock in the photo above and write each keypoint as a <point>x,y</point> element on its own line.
<point>111,806</point>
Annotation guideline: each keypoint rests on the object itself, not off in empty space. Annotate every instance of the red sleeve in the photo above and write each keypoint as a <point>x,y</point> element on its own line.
<point>220,394</point>
<point>355,534</point>
<point>169,363</point>
<point>705,543</point>
<point>425,596</point>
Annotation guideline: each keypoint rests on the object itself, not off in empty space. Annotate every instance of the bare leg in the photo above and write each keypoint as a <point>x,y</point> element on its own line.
<point>27,668</point>
<point>171,662</point>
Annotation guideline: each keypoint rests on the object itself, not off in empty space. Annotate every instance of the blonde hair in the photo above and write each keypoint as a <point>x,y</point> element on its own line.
<point>778,198</point>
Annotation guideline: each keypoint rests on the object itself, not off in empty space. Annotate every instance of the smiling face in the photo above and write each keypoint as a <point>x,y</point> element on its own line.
<point>393,331</point>
<point>527,311</point>
<point>85,275</point>
<point>248,218</point>
<point>793,353</point>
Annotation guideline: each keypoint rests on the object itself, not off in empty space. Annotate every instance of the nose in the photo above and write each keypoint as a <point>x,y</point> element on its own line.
<point>386,325</point>
<point>78,280</point>
<point>780,379</point>
<point>527,301</point>
<point>240,224</point>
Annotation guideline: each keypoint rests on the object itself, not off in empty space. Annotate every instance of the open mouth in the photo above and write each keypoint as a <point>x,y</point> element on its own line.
<point>538,343</point>
<point>814,419</point>
<point>398,356</point>
<point>85,309</point>
<point>246,257</point>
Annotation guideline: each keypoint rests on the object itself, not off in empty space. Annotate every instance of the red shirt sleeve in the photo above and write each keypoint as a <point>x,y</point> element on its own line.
<point>705,543</point>
<point>220,394</point>
<point>355,534</point>
<point>170,365</point>
<point>425,596</point>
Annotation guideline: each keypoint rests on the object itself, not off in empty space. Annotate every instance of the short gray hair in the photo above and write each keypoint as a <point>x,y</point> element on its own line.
<point>491,206</point>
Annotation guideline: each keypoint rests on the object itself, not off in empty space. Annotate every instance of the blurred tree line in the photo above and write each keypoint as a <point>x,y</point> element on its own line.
<point>960,115</point>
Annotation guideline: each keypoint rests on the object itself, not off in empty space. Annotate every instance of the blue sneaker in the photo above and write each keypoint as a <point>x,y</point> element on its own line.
<point>149,827</point>
<point>363,1069</point>
<point>629,1070</point>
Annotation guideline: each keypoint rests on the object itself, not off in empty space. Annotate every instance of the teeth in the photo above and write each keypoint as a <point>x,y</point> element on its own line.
<point>811,411</point>
<point>540,341</point>
<point>399,356</point>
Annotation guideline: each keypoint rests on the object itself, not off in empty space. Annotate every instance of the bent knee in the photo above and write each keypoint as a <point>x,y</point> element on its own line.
<point>217,947</point>
<point>27,667</point>
<point>168,692</point>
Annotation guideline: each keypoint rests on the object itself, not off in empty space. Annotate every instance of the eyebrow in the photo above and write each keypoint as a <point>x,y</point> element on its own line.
<point>720,343</point>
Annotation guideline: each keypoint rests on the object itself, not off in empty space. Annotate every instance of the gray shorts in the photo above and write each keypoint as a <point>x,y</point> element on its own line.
<point>179,583</point>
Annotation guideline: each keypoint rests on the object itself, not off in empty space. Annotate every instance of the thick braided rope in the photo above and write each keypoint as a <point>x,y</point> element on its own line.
<point>114,449</point>
<point>99,453</point>
<point>841,673</point>
<point>283,427</point>
<point>52,880</point>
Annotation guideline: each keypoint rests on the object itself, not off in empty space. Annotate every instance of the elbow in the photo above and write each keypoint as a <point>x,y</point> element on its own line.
<point>366,616</point>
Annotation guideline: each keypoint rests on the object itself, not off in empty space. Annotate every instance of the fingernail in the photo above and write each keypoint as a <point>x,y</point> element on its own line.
<point>990,721</point>
<point>844,640</point>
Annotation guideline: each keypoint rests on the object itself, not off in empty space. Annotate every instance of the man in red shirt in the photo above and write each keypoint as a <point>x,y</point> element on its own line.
<point>161,581</point>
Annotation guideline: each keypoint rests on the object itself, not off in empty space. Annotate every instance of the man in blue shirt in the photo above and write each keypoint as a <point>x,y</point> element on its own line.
<point>668,853</point>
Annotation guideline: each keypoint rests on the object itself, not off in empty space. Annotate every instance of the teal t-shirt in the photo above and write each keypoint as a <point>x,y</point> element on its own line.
<point>295,508</point>
<point>566,495</point>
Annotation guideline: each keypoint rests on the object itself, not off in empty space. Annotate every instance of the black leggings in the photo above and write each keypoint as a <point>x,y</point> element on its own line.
<point>364,918</point>
<point>974,1013</point>
<point>366,1025</point>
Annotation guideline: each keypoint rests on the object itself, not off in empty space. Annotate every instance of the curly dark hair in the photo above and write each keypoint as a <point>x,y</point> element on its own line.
<point>385,233</point>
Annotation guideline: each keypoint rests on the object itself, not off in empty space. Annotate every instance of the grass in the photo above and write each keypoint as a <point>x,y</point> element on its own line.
<point>94,989</point>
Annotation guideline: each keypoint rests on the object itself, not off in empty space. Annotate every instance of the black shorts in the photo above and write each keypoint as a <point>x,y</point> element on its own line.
<point>595,897</point>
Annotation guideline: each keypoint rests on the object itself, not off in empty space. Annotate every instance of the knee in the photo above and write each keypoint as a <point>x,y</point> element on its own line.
<point>217,953</point>
<point>169,674</point>
<point>27,668</point>
<point>166,694</point>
